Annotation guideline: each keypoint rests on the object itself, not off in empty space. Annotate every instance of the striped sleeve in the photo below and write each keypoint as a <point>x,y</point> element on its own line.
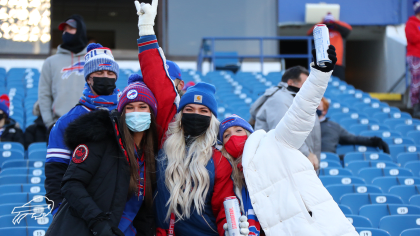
<point>147,42</point>
<point>57,151</point>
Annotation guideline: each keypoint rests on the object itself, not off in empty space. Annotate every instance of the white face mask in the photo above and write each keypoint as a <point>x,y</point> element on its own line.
<point>138,121</point>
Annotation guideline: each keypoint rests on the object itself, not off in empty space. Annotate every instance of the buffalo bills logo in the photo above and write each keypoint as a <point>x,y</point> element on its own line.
<point>132,94</point>
<point>228,121</point>
<point>105,64</point>
<point>76,68</point>
<point>80,154</point>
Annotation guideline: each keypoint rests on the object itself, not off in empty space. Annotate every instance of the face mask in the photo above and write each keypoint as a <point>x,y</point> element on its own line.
<point>67,38</point>
<point>235,145</point>
<point>194,124</point>
<point>319,112</point>
<point>103,85</point>
<point>138,121</point>
<point>2,116</point>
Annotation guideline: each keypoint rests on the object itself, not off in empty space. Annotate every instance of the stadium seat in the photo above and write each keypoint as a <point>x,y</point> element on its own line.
<point>397,223</point>
<point>6,155</point>
<point>338,190</point>
<point>356,166</point>
<point>415,200</point>
<point>328,180</point>
<point>39,154</point>
<point>331,164</point>
<point>395,115</point>
<point>24,231</point>
<point>36,146</point>
<point>359,221</point>
<point>393,123</point>
<point>385,183</point>
<point>371,232</point>
<point>356,200</point>
<point>21,179</point>
<point>405,191</point>
<point>401,148</point>
<point>334,171</point>
<point>23,171</point>
<point>357,129</point>
<point>338,117</point>
<point>415,135</point>
<point>347,123</point>
<point>342,110</point>
<point>410,232</point>
<point>365,156</point>
<point>6,209</point>
<point>329,156</point>
<point>22,163</point>
<point>414,166</point>
<point>22,188</point>
<point>406,141</point>
<point>12,146</point>
<point>344,149</point>
<point>404,129</point>
<point>368,174</point>
<point>6,221</point>
<point>381,134</point>
<point>403,158</point>
<point>345,209</point>
<point>20,197</point>
<point>227,61</point>
<point>375,212</point>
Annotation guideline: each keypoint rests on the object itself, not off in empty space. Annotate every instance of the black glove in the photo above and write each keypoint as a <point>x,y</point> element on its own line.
<point>378,142</point>
<point>100,226</point>
<point>331,55</point>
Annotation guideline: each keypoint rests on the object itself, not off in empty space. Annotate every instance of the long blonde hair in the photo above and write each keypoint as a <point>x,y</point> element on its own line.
<point>186,175</point>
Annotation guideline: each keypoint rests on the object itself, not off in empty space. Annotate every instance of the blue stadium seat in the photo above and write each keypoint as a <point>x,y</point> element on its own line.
<point>381,134</point>
<point>359,221</point>
<point>12,146</point>
<point>22,188</point>
<point>342,110</point>
<point>338,117</point>
<point>357,129</point>
<point>328,180</point>
<point>332,164</point>
<point>22,163</point>
<point>356,166</point>
<point>414,166</point>
<point>21,179</point>
<point>415,135</point>
<point>393,123</point>
<point>401,148</point>
<point>338,190</point>
<point>6,221</point>
<point>405,141</point>
<point>356,200</point>
<point>347,123</point>
<point>6,155</point>
<point>403,158</point>
<point>24,231</point>
<point>392,115</point>
<point>398,223</point>
<point>334,171</point>
<point>19,197</point>
<point>227,61</point>
<point>405,191</point>
<point>368,174</point>
<point>329,156</point>
<point>23,171</point>
<point>371,232</point>
<point>404,129</point>
<point>410,232</point>
<point>37,154</point>
<point>385,183</point>
<point>365,156</point>
<point>375,212</point>
<point>37,146</point>
<point>344,149</point>
<point>345,209</point>
<point>415,200</point>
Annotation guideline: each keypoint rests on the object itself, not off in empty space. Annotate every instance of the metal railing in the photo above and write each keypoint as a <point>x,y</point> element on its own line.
<point>208,51</point>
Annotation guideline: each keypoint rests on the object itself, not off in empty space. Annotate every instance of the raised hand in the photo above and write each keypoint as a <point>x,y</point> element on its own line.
<point>147,14</point>
<point>331,55</point>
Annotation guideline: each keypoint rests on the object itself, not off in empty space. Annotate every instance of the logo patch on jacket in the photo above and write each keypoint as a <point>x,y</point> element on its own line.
<point>80,154</point>
<point>198,98</point>
<point>75,68</point>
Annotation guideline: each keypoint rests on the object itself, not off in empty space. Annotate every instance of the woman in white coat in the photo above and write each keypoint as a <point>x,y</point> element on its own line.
<point>280,185</point>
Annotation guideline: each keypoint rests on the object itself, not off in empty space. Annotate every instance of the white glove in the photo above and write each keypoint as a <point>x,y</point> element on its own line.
<point>243,226</point>
<point>147,14</point>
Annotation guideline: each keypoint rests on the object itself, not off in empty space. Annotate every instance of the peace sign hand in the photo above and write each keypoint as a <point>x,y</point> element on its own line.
<point>147,14</point>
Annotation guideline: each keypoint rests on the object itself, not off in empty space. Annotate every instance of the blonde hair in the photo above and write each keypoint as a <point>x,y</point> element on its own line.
<point>186,175</point>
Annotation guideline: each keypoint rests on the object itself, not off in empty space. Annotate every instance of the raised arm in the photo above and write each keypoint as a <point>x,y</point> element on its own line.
<point>299,120</point>
<point>153,67</point>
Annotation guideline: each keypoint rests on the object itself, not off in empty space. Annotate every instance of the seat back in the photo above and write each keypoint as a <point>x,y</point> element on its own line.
<point>405,191</point>
<point>23,163</point>
<point>371,232</point>
<point>22,188</point>
<point>401,148</point>
<point>366,156</point>
<point>414,166</point>
<point>396,224</point>
<point>345,209</point>
<point>334,171</point>
<point>356,166</point>
<point>338,190</point>
<point>329,156</point>
<point>415,200</point>
<point>415,135</point>
<point>368,174</point>
<point>21,179</point>
<point>328,180</point>
<point>410,232</point>
<point>386,182</point>
<point>403,158</point>
<point>356,200</point>
<point>23,171</point>
<point>376,211</point>
<point>359,221</point>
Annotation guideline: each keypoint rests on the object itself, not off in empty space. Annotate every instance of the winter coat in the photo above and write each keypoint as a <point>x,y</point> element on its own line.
<point>282,183</point>
<point>270,108</point>
<point>36,132</point>
<point>12,132</point>
<point>412,32</point>
<point>97,179</point>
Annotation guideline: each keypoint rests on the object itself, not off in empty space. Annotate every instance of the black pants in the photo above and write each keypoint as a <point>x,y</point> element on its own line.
<point>339,71</point>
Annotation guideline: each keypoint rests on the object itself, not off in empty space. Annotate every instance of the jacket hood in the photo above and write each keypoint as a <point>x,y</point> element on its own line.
<point>77,42</point>
<point>94,126</point>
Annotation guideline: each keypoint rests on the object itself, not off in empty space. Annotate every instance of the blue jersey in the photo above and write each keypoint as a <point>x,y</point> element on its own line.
<point>57,150</point>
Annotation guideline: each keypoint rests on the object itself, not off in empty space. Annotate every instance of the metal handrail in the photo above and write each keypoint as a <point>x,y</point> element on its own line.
<point>202,54</point>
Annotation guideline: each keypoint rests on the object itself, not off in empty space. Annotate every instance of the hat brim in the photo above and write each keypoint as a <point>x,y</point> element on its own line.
<point>62,25</point>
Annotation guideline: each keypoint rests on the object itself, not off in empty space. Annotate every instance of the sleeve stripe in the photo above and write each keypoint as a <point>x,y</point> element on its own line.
<point>147,42</point>
<point>58,155</point>
<point>60,150</point>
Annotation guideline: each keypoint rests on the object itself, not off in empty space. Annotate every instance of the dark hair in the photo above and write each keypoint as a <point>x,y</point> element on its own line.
<point>149,147</point>
<point>293,73</point>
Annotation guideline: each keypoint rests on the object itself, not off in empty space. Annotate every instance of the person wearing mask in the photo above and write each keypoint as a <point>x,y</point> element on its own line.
<point>37,132</point>
<point>192,176</point>
<point>175,74</point>
<point>269,109</point>
<point>9,129</point>
<point>412,32</point>
<point>100,92</point>
<point>285,198</point>
<point>111,175</point>
<point>333,134</point>
<point>62,79</point>
<point>339,31</point>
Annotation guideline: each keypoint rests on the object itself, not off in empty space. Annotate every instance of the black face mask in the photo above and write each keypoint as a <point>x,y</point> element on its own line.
<point>195,124</point>
<point>319,112</point>
<point>103,85</point>
<point>2,116</point>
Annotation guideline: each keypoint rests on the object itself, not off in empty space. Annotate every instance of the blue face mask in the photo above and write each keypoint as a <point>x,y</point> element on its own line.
<point>138,121</point>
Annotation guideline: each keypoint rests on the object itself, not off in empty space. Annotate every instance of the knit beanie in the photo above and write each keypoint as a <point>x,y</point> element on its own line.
<point>329,17</point>
<point>99,58</point>
<point>201,94</point>
<point>137,91</point>
<point>173,70</point>
<point>4,103</point>
<point>416,6</point>
<point>233,120</point>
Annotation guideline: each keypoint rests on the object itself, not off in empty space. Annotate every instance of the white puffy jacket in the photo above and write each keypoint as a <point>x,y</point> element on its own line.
<point>281,181</point>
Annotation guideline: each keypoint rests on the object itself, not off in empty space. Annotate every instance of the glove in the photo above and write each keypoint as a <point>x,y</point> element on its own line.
<point>378,142</point>
<point>329,66</point>
<point>147,14</point>
<point>100,226</point>
<point>243,226</point>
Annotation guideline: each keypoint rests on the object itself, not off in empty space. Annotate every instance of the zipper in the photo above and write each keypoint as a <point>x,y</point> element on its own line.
<point>209,224</point>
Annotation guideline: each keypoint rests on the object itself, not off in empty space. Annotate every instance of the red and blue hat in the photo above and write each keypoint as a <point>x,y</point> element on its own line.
<point>416,6</point>
<point>233,120</point>
<point>137,91</point>
<point>99,58</point>
<point>5,103</point>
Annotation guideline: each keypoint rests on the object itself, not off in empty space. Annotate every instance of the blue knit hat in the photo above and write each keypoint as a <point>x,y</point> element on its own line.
<point>201,94</point>
<point>233,120</point>
<point>416,6</point>
<point>99,58</point>
<point>137,91</point>
<point>4,103</point>
<point>173,70</point>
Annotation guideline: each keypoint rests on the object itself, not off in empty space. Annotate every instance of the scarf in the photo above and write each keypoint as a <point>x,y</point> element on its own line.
<point>95,102</point>
<point>254,224</point>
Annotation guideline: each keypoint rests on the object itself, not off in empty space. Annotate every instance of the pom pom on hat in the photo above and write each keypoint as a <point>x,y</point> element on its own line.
<point>135,78</point>
<point>92,46</point>
<point>4,103</point>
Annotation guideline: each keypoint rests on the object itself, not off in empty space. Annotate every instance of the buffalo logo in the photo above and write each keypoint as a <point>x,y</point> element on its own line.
<point>36,208</point>
<point>80,154</point>
<point>198,98</point>
<point>132,94</point>
<point>228,121</point>
<point>105,64</point>
<point>76,68</point>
